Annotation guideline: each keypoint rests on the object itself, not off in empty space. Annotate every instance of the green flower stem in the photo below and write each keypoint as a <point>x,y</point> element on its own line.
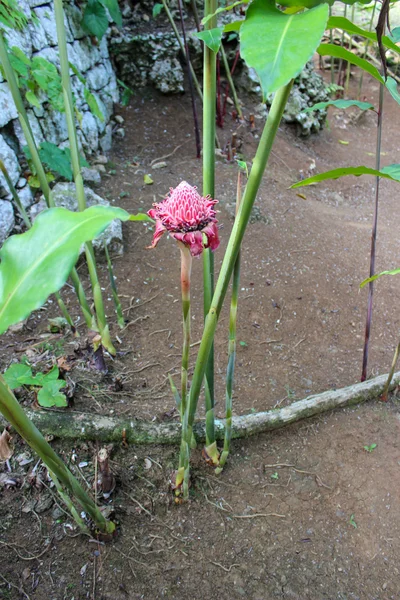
<point>186,270</point>
<point>13,412</point>
<point>231,84</point>
<point>27,131</point>
<point>209,87</point>
<point>114,290</point>
<point>69,504</point>
<point>232,251</point>
<point>76,169</point>
<point>231,349</point>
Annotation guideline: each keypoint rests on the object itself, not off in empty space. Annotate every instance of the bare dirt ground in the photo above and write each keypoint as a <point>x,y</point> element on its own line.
<point>303,513</point>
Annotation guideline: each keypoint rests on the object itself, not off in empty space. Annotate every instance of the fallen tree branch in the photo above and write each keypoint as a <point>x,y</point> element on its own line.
<point>85,426</point>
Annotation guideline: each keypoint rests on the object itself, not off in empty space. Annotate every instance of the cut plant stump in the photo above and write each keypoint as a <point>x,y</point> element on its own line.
<point>85,426</point>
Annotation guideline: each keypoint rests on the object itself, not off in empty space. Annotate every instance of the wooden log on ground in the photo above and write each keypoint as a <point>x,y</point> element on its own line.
<point>76,426</point>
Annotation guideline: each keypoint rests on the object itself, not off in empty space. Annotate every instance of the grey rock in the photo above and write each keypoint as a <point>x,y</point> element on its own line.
<point>21,39</point>
<point>38,35</point>
<point>97,77</point>
<point>7,220</point>
<point>36,130</point>
<point>64,194</point>
<point>26,196</point>
<point>167,76</point>
<point>148,60</point>
<point>54,127</point>
<point>105,140</point>
<point>119,119</point>
<point>120,132</point>
<point>74,16</point>
<point>91,176</point>
<point>90,131</point>
<point>45,502</point>
<point>10,161</point>
<point>100,160</point>
<point>7,107</point>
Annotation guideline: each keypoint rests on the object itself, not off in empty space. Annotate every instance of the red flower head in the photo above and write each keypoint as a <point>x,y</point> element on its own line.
<point>186,216</point>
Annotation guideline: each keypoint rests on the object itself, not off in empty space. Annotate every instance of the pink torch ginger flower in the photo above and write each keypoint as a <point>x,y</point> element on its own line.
<point>187,217</point>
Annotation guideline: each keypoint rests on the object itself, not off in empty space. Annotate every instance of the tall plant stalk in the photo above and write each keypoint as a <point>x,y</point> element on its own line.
<point>114,290</point>
<point>231,85</point>
<point>232,251</point>
<point>30,140</point>
<point>76,169</point>
<point>231,348</point>
<point>15,415</point>
<point>346,86</point>
<point>373,237</point>
<point>209,94</point>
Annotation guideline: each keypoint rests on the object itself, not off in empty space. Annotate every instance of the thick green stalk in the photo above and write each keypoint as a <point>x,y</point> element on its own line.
<point>231,84</point>
<point>27,131</point>
<point>76,169</point>
<point>231,349</point>
<point>69,504</point>
<point>232,251</point>
<point>15,415</point>
<point>331,41</point>
<point>114,291</point>
<point>209,95</point>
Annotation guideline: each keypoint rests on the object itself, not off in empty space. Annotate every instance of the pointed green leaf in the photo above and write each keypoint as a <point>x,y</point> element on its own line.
<point>340,104</point>
<point>37,263</point>
<point>346,25</point>
<point>113,8</point>
<point>391,85</point>
<point>339,52</point>
<point>211,38</point>
<point>50,394</point>
<point>42,378</point>
<point>390,172</point>
<point>32,99</point>
<point>392,272</point>
<point>395,35</point>
<point>221,9</point>
<point>93,104</point>
<point>278,45</point>
<point>157,8</point>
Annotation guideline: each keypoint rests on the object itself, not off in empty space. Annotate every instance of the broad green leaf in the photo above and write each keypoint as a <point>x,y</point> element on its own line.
<point>390,172</point>
<point>211,38</point>
<point>157,8</point>
<point>55,95</point>
<point>392,272</point>
<point>37,263</point>
<point>32,99</point>
<point>95,20</point>
<point>278,45</point>
<point>391,85</point>
<point>339,52</point>
<point>42,378</point>
<point>340,104</point>
<point>18,65</point>
<point>50,394</point>
<point>113,9</point>
<point>346,25</point>
<point>148,180</point>
<point>56,159</point>
<point>17,375</point>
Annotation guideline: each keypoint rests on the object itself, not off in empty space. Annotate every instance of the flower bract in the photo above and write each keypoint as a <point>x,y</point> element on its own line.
<point>188,217</point>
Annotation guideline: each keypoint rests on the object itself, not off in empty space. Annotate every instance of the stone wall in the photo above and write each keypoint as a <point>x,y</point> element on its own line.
<point>40,39</point>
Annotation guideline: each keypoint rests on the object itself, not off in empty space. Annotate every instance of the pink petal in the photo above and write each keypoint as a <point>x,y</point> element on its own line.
<point>211,231</point>
<point>158,232</point>
<point>193,240</point>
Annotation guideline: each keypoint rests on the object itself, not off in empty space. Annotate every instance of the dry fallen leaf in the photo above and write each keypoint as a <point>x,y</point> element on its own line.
<point>6,451</point>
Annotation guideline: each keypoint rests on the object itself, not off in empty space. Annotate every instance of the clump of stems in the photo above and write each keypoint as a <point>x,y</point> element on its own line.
<point>231,349</point>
